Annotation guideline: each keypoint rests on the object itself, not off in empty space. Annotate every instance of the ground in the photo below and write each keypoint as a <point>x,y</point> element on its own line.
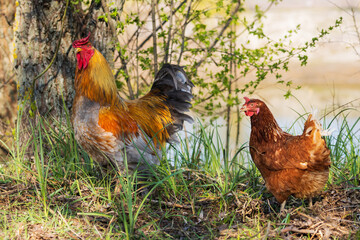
<point>334,215</point>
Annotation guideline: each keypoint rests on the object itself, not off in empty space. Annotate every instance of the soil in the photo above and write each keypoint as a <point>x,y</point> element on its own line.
<point>334,215</point>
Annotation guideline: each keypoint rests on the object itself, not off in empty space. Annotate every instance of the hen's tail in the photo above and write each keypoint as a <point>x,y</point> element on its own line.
<point>319,153</point>
<point>173,85</point>
<point>313,127</point>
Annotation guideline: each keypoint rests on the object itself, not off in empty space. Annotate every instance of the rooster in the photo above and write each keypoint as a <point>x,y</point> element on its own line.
<point>290,165</point>
<point>111,128</point>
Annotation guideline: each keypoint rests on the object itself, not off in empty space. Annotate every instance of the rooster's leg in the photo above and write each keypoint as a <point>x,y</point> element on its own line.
<point>282,208</point>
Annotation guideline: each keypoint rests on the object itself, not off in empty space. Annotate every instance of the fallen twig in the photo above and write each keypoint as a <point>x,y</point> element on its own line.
<point>267,231</point>
<point>170,204</point>
<point>345,220</point>
<point>15,190</point>
<point>317,224</point>
<point>295,229</point>
<point>307,216</point>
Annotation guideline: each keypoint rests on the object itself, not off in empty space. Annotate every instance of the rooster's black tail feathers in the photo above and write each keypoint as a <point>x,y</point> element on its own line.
<point>172,83</point>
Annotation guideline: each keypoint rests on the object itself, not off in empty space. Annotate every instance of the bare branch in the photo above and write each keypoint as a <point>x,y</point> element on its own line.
<point>173,12</point>
<point>166,57</point>
<point>183,32</point>
<point>122,58</point>
<point>136,33</point>
<point>355,24</point>
<point>137,56</point>
<point>154,36</point>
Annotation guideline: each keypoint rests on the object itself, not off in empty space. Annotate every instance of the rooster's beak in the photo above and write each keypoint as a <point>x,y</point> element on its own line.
<point>77,50</point>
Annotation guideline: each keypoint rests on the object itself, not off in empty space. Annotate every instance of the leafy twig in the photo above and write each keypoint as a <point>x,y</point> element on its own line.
<point>227,24</point>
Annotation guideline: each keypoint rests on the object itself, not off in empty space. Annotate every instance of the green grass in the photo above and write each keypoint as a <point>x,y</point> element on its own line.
<point>197,192</point>
<point>345,150</point>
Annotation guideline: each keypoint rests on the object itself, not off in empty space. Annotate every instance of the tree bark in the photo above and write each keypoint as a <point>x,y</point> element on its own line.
<point>7,77</point>
<point>37,32</point>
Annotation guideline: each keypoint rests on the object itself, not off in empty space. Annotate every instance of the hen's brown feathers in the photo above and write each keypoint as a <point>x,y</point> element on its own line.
<point>297,165</point>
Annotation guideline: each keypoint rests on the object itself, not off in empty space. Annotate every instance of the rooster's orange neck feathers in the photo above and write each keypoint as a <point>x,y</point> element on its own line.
<point>93,77</point>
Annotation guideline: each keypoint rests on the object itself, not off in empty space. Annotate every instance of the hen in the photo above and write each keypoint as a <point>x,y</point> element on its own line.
<point>290,165</point>
<point>111,128</point>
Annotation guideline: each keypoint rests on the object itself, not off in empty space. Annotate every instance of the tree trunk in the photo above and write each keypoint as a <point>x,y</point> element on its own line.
<point>37,32</point>
<point>7,77</point>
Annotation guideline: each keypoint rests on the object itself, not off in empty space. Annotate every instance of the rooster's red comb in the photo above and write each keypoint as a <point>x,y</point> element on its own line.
<point>246,99</point>
<point>81,42</point>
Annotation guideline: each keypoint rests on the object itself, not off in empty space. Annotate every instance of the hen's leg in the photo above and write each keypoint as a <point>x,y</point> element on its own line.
<point>310,203</point>
<point>282,208</point>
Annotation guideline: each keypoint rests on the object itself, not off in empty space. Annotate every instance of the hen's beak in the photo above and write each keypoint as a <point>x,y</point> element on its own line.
<point>243,108</point>
<point>77,50</point>
<point>249,111</point>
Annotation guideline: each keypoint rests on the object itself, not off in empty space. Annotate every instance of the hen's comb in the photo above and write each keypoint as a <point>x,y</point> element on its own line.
<point>246,99</point>
<point>81,42</point>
